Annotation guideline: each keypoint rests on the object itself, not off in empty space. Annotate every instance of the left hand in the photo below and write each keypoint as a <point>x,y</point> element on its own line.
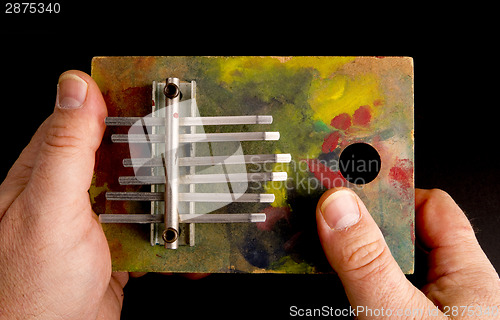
<point>54,257</point>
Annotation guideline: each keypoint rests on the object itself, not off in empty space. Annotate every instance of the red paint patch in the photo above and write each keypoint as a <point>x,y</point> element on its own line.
<point>402,174</point>
<point>412,230</point>
<point>176,115</point>
<point>325,175</point>
<point>342,121</point>
<point>330,142</point>
<point>362,116</point>
<point>273,215</point>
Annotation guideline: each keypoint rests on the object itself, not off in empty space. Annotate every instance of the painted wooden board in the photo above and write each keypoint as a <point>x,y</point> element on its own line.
<point>320,106</point>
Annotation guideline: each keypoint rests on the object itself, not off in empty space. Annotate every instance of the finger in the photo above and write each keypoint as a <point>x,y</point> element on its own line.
<point>356,249</point>
<point>434,209</point>
<point>63,169</point>
<point>112,301</point>
<point>18,176</point>
<point>190,276</point>
<point>458,267</point>
<point>195,276</point>
<point>137,274</point>
<point>121,278</point>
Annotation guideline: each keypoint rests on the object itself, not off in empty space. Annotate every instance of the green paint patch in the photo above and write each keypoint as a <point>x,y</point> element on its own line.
<point>372,96</point>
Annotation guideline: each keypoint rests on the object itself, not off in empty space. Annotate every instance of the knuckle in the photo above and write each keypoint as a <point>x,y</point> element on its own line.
<point>438,194</point>
<point>441,201</point>
<point>21,172</point>
<point>61,137</point>
<point>366,259</point>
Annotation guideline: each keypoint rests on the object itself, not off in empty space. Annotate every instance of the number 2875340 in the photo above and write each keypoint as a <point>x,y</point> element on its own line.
<point>32,7</point>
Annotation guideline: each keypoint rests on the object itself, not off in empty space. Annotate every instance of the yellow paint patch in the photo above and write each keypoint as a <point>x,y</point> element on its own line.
<point>287,265</point>
<point>278,188</point>
<point>280,194</point>
<point>233,68</point>
<point>326,66</point>
<point>343,94</point>
<point>94,190</point>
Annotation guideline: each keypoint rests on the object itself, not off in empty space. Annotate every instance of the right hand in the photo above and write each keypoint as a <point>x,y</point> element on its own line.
<point>462,283</point>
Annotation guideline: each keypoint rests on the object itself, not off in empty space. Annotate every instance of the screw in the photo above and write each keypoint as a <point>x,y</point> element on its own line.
<point>170,235</point>
<point>171,90</point>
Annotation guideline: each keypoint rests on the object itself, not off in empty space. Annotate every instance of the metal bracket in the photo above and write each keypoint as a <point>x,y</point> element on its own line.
<point>173,177</point>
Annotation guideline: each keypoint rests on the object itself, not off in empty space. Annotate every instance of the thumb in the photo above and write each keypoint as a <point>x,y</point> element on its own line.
<point>356,249</point>
<point>63,169</point>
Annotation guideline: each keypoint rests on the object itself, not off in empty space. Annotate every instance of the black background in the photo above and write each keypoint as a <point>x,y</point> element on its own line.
<point>456,109</point>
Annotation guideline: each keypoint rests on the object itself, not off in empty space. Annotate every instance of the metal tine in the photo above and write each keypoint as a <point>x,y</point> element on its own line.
<point>225,120</point>
<point>130,218</point>
<point>183,218</point>
<point>197,137</point>
<point>234,177</point>
<point>129,121</point>
<point>192,197</point>
<point>190,121</point>
<point>222,218</point>
<point>229,136</point>
<point>206,178</point>
<point>135,196</point>
<point>138,138</point>
<point>141,180</point>
<point>174,136</point>
<point>213,160</point>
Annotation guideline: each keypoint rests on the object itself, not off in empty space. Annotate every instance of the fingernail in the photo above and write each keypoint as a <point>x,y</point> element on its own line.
<point>71,91</point>
<point>340,210</point>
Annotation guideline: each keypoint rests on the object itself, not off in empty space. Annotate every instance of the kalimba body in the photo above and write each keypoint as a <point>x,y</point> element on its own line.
<point>215,164</point>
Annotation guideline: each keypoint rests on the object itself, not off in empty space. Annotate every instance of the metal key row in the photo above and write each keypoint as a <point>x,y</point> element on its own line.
<point>171,131</point>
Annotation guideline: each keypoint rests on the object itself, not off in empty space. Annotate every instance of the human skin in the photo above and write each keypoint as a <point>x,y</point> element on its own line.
<point>54,255</point>
<point>56,262</point>
<point>460,275</point>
